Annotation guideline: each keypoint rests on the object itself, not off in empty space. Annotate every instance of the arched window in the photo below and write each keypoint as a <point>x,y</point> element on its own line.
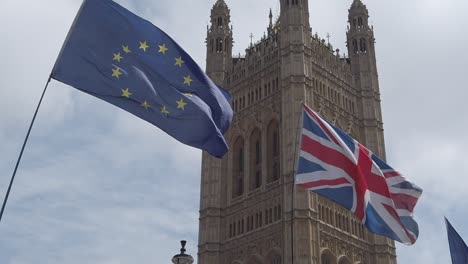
<point>355,46</point>
<point>362,45</point>
<point>344,260</point>
<point>274,259</point>
<point>255,159</point>
<point>360,22</point>
<point>238,173</point>
<point>220,22</point>
<point>273,151</point>
<point>219,45</point>
<point>327,257</point>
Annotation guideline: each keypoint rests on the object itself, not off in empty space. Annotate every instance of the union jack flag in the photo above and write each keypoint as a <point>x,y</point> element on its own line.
<point>334,165</point>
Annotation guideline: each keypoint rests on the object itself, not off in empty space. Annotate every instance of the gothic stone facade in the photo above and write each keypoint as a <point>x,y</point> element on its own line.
<point>245,207</point>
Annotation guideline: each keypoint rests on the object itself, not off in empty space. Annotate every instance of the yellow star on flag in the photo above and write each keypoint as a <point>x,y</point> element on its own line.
<point>179,62</point>
<point>164,111</point>
<point>116,73</point>
<point>145,105</point>
<point>181,104</point>
<point>126,49</point>
<point>163,49</point>
<point>118,57</point>
<point>144,46</point>
<point>188,80</point>
<point>126,93</point>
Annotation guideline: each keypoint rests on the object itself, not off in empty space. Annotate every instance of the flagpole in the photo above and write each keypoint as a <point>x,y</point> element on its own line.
<point>297,142</point>
<point>7,195</point>
<point>22,149</point>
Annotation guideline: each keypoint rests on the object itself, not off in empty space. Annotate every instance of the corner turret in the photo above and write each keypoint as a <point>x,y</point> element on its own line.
<point>219,43</point>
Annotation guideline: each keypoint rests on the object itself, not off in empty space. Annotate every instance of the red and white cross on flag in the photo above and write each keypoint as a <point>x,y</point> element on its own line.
<point>336,166</point>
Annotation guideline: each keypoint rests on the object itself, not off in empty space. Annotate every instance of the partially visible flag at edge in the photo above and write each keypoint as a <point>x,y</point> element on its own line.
<point>114,55</point>
<point>458,248</point>
<point>334,165</point>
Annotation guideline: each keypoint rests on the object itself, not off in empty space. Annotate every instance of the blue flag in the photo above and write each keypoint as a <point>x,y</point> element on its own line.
<point>458,248</point>
<point>125,60</point>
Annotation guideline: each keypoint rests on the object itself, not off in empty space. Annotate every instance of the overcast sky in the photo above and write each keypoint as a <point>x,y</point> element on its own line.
<point>98,185</point>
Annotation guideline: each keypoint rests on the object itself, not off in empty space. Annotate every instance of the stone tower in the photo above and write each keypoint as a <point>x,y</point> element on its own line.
<point>246,203</point>
<point>219,43</point>
<point>361,50</point>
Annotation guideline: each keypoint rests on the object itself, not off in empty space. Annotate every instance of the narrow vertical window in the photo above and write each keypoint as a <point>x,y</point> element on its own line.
<point>363,46</point>
<point>238,172</point>
<point>257,152</point>
<point>219,45</point>
<point>256,160</point>
<point>355,46</point>
<point>273,151</point>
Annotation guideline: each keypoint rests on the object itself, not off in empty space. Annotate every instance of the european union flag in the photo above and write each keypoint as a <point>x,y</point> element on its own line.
<point>125,60</point>
<point>458,248</point>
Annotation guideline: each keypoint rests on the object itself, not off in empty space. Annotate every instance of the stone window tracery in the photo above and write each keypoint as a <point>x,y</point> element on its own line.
<point>273,151</point>
<point>238,173</point>
<point>255,160</point>
<point>362,45</point>
<point>219,45</point>
<point>355,46</point>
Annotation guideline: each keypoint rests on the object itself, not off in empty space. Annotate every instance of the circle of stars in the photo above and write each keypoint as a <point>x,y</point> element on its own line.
<point>163,49</point>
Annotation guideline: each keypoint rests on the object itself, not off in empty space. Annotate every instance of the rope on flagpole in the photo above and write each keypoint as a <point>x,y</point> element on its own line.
<point>22,150</point>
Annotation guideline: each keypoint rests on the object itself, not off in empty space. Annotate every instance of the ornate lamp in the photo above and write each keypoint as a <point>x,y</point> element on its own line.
<point>182,258</point>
